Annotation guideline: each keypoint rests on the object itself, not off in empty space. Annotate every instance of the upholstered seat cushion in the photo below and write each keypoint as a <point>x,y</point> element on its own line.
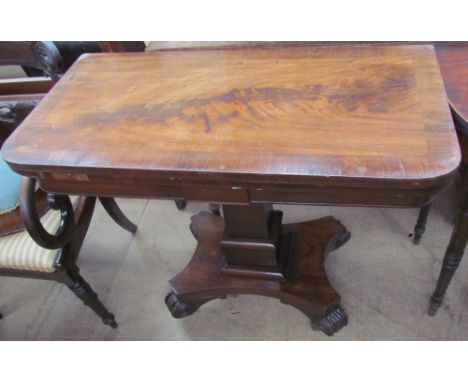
<point>19,251</point>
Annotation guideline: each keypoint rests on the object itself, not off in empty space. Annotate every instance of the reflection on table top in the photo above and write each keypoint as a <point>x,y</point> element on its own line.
<point>350,112</point>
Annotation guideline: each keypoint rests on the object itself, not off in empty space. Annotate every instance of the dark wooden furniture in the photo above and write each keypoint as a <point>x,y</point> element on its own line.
<point>122,46</point>
<point>44,62</point>
<point>18,97</point>
<point>69,237</point>
<point>453,60</point>
<point>247,128</point>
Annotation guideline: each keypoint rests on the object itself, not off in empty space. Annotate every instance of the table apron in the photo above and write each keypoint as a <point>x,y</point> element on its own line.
<point>356,196</point>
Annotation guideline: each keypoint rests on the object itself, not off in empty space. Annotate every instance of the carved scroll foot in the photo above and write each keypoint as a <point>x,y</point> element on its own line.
<point>178,308</point>
<point>345,235</point>
<point>332,322</point>
<point>304,284</point>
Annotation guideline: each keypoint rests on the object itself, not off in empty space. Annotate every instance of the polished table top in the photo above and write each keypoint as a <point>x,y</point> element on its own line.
<point>453,61</point>
<point>243,119</point>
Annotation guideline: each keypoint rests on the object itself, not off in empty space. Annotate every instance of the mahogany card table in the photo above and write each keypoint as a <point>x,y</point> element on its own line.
<point>246,128</point>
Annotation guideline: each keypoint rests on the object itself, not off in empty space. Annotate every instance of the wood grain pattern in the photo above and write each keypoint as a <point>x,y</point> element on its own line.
<point>329,116</point>
<point>453,56</point>
<point>302,283</point>
<point>453,60</point>
<point>20,86</point>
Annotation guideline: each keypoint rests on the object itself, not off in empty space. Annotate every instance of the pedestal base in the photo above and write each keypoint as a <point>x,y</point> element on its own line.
<point>304,286</point>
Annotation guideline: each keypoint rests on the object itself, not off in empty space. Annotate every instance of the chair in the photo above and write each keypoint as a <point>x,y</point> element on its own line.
<point>44,62</point>
<point>18,97</point>
<point>42,254</point>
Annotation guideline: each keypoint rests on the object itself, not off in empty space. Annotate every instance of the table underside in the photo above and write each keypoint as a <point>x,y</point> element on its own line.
<point>247,189</point>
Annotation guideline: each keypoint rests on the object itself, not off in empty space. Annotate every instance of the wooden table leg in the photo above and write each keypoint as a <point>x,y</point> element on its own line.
<point>453,256</point>
<point>180,204</point>
<point>250,251</point>
<point>421,223</point>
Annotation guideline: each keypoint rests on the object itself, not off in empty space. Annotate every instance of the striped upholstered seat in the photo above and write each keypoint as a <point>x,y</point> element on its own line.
<point>19,251</point>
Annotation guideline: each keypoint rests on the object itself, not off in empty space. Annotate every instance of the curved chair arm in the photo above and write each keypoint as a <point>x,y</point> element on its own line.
<point>48,59</point>
<point>42,55</point>
<point>33,223</point>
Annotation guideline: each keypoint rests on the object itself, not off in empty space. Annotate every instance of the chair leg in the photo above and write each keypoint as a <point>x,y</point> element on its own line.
<point>452,258</point>
<point>180,203</point>
<point>1,316</point>
<point>214,209</point>
<point>85,293</point>
<point>421,223</point>
<point>117,215</point>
